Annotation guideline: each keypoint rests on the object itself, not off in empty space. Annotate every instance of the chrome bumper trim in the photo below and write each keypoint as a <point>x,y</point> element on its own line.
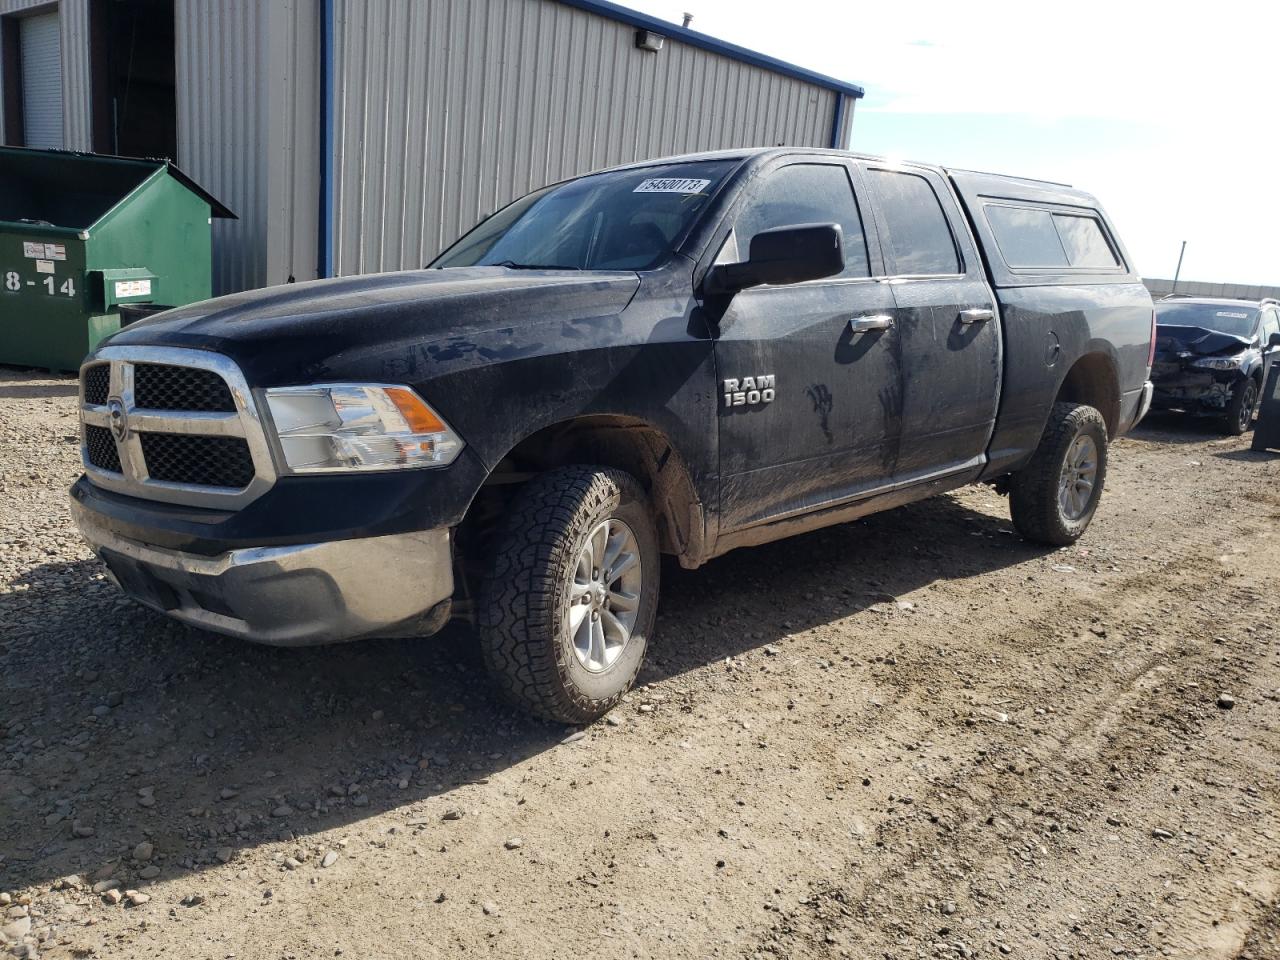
<point>287,596</point>
<point>1144,404</point>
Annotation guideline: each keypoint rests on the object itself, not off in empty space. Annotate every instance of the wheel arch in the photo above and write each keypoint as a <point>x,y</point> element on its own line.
<point>623,442</point>
<point>1094,380</point>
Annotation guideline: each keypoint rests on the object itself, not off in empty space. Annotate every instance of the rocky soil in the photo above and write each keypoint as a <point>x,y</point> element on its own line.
<point>912,736</point>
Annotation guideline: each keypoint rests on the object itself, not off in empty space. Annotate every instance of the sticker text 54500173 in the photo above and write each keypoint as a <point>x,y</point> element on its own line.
<point>14,282</point>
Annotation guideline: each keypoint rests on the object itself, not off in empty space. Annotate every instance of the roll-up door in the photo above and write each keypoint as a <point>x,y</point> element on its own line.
<point>41,53</point>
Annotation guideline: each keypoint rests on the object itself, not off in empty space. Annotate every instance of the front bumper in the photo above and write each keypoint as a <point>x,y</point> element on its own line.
<point>297,595</point>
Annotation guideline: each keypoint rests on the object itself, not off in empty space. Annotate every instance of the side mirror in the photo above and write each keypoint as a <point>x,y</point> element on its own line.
<point>1273,341</point>
<point>782,255</point>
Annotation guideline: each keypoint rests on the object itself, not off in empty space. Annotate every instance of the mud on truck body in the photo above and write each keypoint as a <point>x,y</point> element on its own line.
<point>681,357</point>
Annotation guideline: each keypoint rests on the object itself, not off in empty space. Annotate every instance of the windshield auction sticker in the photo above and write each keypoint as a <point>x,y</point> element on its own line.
<point>671,186</point>
<point>1232,316</point>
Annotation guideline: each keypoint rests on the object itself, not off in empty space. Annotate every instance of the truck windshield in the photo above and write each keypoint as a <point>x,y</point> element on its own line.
<point>1237,319</point>
<point>626,220</point>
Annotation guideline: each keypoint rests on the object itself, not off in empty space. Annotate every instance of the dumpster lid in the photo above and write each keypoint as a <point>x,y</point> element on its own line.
<point>66,188</point>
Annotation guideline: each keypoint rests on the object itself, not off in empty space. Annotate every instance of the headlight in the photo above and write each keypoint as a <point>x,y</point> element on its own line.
<point>357,426</point>
<point>1220,363</point>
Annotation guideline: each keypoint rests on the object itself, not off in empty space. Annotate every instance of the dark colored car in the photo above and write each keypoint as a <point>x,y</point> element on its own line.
<point>681,356</point>
<point>1212,357</point>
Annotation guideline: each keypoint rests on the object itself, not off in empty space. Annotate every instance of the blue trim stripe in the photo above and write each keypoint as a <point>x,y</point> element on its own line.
<point>325,261</point>
<point>695,39</point>
<point>837,122</point>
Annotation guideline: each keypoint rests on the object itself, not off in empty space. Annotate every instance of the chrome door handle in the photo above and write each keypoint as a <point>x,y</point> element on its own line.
<point>879,321</point>
<point>977,315</point>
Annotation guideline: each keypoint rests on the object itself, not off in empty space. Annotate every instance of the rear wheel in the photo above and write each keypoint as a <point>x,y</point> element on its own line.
<point>1053,498</point>
<point>569,601</point>
<point>1244,400</point>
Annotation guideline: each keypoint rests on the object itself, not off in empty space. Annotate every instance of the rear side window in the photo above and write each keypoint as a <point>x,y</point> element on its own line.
<point>1026,237</point>
<point>1086,245</point>
<point>1036,238</point>
<point>920,241</point>
<point>807,193</point>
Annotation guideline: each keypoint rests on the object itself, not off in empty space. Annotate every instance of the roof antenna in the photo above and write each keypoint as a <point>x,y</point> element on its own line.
<point>688,19</point>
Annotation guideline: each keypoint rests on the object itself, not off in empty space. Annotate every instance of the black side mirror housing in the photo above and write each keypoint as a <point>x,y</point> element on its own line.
<point>1273,341</point>
<point>808,251</point>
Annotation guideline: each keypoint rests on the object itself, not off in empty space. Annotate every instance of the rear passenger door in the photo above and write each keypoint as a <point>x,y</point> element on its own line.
<point>944,320</point>
<point>807,407</point>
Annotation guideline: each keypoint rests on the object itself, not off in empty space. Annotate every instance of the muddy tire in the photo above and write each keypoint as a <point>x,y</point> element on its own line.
<point>569,600</point>
<point>1244,401</point>
<point>1053,498</point>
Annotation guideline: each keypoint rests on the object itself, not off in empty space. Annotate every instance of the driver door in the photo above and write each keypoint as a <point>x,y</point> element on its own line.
<point>810,388</point>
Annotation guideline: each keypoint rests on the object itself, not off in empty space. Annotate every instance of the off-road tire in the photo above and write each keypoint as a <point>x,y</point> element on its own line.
<point>1245,395</point>
<point>1033,490</point>
<point>523,598</point>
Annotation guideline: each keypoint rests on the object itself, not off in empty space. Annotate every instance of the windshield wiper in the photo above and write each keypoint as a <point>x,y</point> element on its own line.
<point>512,265</point>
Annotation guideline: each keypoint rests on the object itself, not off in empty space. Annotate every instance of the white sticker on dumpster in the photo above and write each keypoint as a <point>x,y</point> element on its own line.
<point>32,251</point>
<point>132,288</point>
<point>671,185</point>
<point>44,266</point>
<point>55,251</point>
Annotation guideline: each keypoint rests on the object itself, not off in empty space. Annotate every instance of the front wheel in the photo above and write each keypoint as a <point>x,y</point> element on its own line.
<point>1053,498</point>
<point>571,594</point>
<point>1244,400</point>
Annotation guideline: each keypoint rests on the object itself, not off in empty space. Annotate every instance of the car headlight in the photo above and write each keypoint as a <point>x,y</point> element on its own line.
<point>358,426</point>
<point>1219,363</point>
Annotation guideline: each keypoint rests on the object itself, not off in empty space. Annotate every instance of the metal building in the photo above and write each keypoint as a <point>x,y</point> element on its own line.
<point>353,136</point>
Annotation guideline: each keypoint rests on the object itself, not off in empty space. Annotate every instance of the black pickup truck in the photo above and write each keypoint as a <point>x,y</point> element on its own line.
<point>682,356</point>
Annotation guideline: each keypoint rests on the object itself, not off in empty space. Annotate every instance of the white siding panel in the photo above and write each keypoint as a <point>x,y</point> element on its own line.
<point>448,109</point>
<point>249,131</point>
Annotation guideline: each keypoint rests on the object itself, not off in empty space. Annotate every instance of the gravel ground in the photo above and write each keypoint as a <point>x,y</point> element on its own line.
<point>911,736</point>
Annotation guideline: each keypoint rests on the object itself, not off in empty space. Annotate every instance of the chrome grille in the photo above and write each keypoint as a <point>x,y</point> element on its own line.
<point>97,383</point>
<point>174,425</point>
<point>160,386</point>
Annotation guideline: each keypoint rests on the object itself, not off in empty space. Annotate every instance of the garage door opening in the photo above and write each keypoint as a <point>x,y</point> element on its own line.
<point>32,55</point>
<point>135,110</point>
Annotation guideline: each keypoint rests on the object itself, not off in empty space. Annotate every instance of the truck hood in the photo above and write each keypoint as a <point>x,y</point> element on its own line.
<point>313,323</point>
<point>1175,340</point>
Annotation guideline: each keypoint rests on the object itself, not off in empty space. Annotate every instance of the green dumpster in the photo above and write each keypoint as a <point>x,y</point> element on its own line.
<point>82,236</point>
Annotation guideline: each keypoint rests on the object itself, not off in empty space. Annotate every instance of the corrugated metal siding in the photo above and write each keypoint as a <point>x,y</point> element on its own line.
<point>248,131</point>
<point>74,36</point>
<point>293,141</point>
<point>448,109</point>
<point>219,55</point>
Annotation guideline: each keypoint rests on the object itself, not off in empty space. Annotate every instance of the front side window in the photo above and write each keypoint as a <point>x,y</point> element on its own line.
<point>805,193</point>
<point>920,240</point>
<point>622,220</point>
<point>1270,325</point>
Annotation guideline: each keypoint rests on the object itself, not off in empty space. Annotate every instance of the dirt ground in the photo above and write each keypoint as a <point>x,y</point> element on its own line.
<point>911,736</point>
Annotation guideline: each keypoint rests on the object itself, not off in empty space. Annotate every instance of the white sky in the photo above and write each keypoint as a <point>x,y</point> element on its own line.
<point>1167,112</point>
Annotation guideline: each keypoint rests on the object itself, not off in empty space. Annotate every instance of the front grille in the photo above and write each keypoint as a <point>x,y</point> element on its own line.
<point>201,460</point>
<point>182,429</point>
<point>97,384</point>
<point>101,448</point>
<point>160,386</point>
